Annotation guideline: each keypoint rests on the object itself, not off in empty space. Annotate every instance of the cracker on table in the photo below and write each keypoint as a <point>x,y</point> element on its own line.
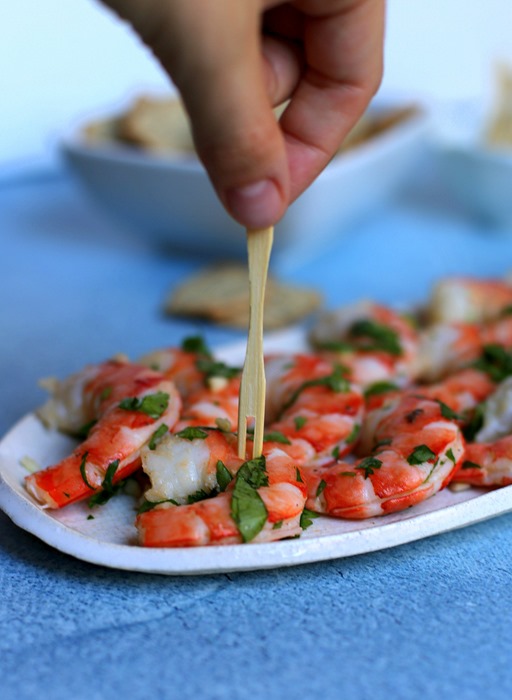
<point>498,131</point>
<point>221,295</point>
<point>158,125</point>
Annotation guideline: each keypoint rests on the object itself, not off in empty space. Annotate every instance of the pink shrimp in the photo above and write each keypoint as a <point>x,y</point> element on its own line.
<point>445,348</point>
<point>468,300</point>
<point>319,415</point>
<point>487,463</point>
<point>375,343</point>
<point>314,406</point>
<point>259,501</point>
<point>417,451</point>
<point>209,388</point>
<point>124,404</point>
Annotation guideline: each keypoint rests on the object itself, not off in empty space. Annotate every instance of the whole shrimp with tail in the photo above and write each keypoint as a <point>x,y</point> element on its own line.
<point>120,407</point>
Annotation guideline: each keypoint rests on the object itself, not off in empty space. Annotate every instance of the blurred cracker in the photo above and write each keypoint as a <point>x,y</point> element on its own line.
<point>214,293</point>
<point>498,131</point>
<point>221,295</point>
<point>158,125</point>
<point>102,131</point>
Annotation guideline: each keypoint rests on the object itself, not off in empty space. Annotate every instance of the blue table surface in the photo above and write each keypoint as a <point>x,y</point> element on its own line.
<point>425,619</point>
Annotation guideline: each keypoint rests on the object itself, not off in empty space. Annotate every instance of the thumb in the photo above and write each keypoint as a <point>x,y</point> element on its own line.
<point>214,58</point>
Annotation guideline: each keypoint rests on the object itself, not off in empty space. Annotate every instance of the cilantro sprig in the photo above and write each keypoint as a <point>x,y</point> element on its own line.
<point>153,405</point>
<point>376,336</point>
<point>247,507</point>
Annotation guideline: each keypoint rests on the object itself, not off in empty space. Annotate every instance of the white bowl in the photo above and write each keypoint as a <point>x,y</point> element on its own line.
<point>171,199</point>
<point>481,180</point>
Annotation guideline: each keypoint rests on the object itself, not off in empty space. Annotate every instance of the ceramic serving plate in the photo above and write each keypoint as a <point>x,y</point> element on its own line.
<point>109,538</point>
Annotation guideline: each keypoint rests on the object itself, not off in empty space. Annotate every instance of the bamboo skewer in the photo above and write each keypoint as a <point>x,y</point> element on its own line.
<point>253,384</point>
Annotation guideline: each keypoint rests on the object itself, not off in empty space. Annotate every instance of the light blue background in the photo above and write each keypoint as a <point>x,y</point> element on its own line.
<point>425,620</point>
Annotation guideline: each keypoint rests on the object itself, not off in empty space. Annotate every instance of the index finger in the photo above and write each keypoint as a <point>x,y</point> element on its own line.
<point>343,43</point>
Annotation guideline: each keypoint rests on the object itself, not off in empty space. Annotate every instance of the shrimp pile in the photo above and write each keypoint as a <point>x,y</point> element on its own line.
<point>385,411</point>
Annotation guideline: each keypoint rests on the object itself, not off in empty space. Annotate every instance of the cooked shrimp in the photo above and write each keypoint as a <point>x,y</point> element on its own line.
<point>417,451</point>
<point>487,463</point>
<point>372,341</point>
<point>468,300</point>
<point>444,348</point>
<point>209,388</point>
<point>260,500</point>
<point>320,414</point>
<point>124,406</point>
<point>313,406</point>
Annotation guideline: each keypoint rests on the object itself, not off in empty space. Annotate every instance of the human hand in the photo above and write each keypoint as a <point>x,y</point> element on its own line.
<point>232,60</point>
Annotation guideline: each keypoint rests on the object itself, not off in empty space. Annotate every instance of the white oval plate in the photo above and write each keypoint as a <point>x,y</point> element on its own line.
<point>110,538</point>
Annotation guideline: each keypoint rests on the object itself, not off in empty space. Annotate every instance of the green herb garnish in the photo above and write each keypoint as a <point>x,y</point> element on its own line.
<point>378,388</point>
<point>336,381</point>
<point>306,518</point>
<point>247,508</point>
<point>369,465</point>
<point>321,488</point>
<point>448,413</point>
<point>192,433</point>
<point>420,454</point>
<point>153,405</point>
<point>300,422</point>
<point>224,477</point>
<point>214,368</point>
<point>82,471</point>
<point>157,435</point>
<point>276,436</point>
<point>381,337</point>
<point>196,344</point>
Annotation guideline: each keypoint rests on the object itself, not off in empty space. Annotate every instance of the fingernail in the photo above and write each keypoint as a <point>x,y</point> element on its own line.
<point>257,205</point>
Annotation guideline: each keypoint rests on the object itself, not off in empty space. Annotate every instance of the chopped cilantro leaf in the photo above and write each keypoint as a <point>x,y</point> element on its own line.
<point>83,473</point>
<point>106,393</point>
<point>475,423</point>
<point>192,433</point>
<point>496,362</point>
<point>149,505</point>
<point>378,388</point>
<point>448,413</point>
<point>247,509</point>
<point>278,525</point>
<point>420,454</point>
<point>214,368</point>
<point>381,337</point>
<point>321,488</point>
<point>196,344</point>
<point>354,434</point>
<point>84,431</point>
<point>298,476</point>
<point>306,518</point>
<point>467,464</point>
<point>336,452</point>
<point>90,517</point>
<point>382,443</point>
<point>369,465</point>
<point>157,435</point>
<point>153,405</point>
<point>336,381</point>
<point>254,472</point>
<point>300,422</point>
<point>224,477</point>
<point>200,495</point>
<point>276,436</point>
<point>450,455</point>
